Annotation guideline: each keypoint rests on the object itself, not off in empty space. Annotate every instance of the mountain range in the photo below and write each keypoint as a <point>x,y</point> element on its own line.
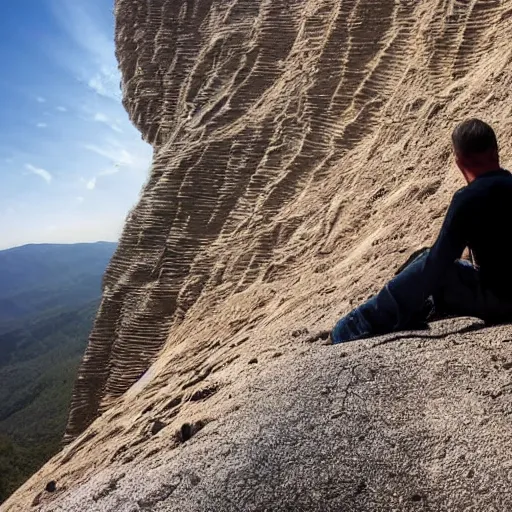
<point>48,298</point>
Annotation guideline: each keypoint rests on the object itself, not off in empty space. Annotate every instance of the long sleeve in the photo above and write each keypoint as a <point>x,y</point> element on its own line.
<point>449,246</point>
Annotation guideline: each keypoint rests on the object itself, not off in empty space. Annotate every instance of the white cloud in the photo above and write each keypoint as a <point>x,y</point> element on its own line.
<point>40,99</point>
<point>93,60</point>
<point>100,117</point>
<point>42,125</point>
<point>116,162</point>
<point>80,20</point>
<point>91,184</point>
<point>116,154</point>
<point>39,172</point>
<point>110,171</point>
<point>106,83</point>
<point>96,84</point>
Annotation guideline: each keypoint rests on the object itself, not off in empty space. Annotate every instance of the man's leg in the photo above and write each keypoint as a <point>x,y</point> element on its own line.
<point>398,306</point>
<point>462,293</point>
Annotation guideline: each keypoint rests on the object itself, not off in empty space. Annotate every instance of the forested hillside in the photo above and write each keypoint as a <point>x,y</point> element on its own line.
<point>48,298</point>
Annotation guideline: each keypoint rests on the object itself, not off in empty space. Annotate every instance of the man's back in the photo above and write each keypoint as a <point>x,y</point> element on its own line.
<point>487,223</point>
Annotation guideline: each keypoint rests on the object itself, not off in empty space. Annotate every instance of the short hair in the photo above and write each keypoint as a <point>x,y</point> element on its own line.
<point>473,137</point>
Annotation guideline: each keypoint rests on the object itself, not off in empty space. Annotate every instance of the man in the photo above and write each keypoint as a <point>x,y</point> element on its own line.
<point>479,218</point>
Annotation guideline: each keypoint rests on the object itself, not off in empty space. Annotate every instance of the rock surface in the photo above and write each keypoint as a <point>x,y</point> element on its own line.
<point>301,153</point>
<point>420,423</point>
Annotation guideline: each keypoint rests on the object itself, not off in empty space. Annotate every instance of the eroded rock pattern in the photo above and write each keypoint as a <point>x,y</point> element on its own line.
<point>253,107</point>
<point>367,432</point>
<point>302,153</point>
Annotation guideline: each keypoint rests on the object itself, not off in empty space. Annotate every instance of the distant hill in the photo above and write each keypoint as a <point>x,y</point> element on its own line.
<point>49,295</point>
<point>37,278</point>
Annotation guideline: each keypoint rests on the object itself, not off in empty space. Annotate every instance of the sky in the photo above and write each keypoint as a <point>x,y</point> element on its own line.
<point>71,163</point>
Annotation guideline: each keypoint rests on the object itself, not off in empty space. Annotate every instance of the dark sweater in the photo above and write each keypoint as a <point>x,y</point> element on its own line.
<point>479,217</point>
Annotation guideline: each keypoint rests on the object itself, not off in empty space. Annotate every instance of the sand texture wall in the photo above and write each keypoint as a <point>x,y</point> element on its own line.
<point>301,152</point>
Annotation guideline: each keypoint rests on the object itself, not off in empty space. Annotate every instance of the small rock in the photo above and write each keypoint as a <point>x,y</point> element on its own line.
<point>319,336</point>
<point>185,432</point>
<point>194,479</point>
<point>416,497</point>
<point>188,430</point>
<point>361,487</point>
<point>253,361</point>
<point>51,486</point>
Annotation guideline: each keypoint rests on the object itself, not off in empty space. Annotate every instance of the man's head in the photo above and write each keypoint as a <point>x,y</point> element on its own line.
<point>476,148</point>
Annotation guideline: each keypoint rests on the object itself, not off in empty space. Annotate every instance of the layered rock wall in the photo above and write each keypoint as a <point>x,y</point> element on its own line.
<point>271,121</point>
<point>301,152</point>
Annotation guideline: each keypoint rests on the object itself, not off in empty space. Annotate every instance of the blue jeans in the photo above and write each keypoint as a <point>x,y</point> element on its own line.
<point>396,306</point>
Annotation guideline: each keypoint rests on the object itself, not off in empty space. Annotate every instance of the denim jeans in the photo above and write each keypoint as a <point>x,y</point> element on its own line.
<point>401,304</point>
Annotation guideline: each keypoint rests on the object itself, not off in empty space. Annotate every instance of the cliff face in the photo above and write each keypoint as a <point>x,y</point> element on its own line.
<point>301,148</point>
<point>269,121</point>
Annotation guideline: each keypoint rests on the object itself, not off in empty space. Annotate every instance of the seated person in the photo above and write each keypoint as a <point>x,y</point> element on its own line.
<point>479,218</point>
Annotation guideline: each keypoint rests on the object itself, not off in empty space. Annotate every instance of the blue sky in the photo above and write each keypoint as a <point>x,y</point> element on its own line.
<point>71,163</point>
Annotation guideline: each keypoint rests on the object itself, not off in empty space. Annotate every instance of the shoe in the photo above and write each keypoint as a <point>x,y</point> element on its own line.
<point>351,328</point>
